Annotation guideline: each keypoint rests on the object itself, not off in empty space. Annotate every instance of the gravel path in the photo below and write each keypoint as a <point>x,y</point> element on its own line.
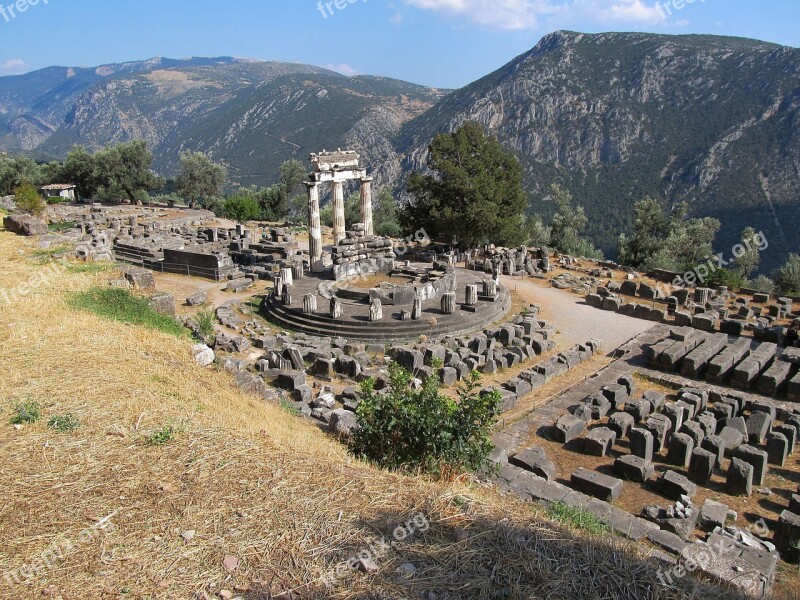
<point>576,322</point>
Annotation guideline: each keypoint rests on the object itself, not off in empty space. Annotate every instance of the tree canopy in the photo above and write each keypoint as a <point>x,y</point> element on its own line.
<point>568,224</point>
<point>127,169</point>
<point>474,195</point>
<point>199,177</point>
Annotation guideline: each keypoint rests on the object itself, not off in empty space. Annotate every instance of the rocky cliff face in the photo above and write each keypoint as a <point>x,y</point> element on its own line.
<point>616,116</point>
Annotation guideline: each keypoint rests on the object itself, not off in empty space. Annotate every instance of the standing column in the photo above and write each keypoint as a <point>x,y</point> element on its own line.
<point>366,205</point>
<point>338,212</point>
<point>314,227</point>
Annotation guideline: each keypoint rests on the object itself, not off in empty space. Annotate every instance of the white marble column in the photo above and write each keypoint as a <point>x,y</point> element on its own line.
<point>338,212</point>
<point>366,205</point>
<point>314,228</point>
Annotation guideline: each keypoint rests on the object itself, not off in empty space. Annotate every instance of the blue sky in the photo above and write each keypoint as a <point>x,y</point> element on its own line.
<point>444,43</point>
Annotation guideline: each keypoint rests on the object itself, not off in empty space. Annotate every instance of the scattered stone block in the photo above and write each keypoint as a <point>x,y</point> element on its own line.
<point>731,438</point>
<point>621,424</point>
<point>197,299</point>
<point>712,515</point>
<point>681,447</point>
<point>740,478</point>
<point>641,442</point>
<point>787,536</point>
<point>757,458</point>
<point>634,468</point>
<point>291,380</point>
<point>628,382</point>
<point>676,414</point>
<point>701,466</point>
<point>694,430</point>
<point>758,426</point>
<point>599,441</point>
<point>790,432</point>
<point>617,394</point>
<point>674,485</point>
<point>596,484</point>
<point>777,449</point>
<point>568,428</point>
<point>534,459</point>
<point>661,428</point>
<point>715,445</point>
<point>656,399</point>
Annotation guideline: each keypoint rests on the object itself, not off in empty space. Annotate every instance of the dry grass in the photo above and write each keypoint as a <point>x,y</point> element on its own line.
<point>281,501</point>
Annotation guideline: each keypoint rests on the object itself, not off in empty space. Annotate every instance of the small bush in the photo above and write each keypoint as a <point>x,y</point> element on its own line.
<point>206,321</point>
<point>762,283</point>
<point>410,429</point>
<point>64,423</point>
<point>787,278</point>
<point>121,305</point>
<point>27,412</point>
<point>163,436</point>
<point>576,517</point>
<point>28,199</point>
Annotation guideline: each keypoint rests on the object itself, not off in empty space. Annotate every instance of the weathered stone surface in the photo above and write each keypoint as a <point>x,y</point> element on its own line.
<point>599,441</point>
<point>534,459</point>
<point>712,515</point>
<point>163,303</point>
<point>197,299</point>
<point>740,478</point>
<point>728,568</point>
<point>667,540</point>
<point>716,446</point>
<point>410,360</point>
<point>290,380</point>
<point>661,428</point>
<point>141,280</point>
<point>641,441</point>
<point>777,449</point>
<point>203,355</point>
<point>343,422</point>
<point>596,484</point>
<point>731,438</point>
<point>621,424</point>
<point>674,485</point>
<point>568,428</point>
<point>701,466</point>
<point>757,458</point>
<point>25,225</point>
<point>787,536</point>
<point>634,468</point>
<point>681,447</point>
<point>758,426</point>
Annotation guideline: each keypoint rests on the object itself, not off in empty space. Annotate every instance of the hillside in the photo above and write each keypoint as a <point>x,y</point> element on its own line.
<point>247,498</point>
<point>613,117</point>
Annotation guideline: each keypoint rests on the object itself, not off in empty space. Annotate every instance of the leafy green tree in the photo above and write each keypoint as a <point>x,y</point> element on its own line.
<point>80,169</point>
<point>787,278</point>
<point>568,224</point>
<point>28,200</point>
<point>667,240</point>
<point>748,261</point>
<point>384,214</point>
<point>16,170</point>
<point>408,429</point>
<point>764,284</point>
<point>537,233</point>
<point>326,215</point>
<point>292,175</point>
<point>127,168</point>
<point>199,177</point>
<point>242,208</point>
<point>475,195</point>
<point>352,209</point>
<point>274,202</point>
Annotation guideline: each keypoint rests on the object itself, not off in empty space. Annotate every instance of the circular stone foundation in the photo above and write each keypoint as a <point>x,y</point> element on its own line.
<point>397,297</point>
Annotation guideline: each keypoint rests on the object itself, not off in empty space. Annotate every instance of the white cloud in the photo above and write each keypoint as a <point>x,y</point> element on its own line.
<point>528,14</point>
<point>13,65</point>
<point>396,19</point>
<point>344,69</point>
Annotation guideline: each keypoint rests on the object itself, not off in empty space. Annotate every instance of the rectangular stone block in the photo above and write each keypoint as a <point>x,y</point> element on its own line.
<point>596,484</point>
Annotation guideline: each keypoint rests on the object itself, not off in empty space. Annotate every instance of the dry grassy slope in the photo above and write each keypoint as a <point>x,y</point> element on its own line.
<point>249,479</point>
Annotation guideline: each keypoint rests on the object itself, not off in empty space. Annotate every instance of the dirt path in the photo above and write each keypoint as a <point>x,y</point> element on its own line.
<point>576,322</point>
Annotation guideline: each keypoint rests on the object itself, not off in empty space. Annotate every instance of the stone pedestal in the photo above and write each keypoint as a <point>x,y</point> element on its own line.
<point>471,296</point>
<point>336,308</point>
<point>297,271</point>
<point>366,205</point>
<point>490,288</point>
<point>309,304</point>
<point>287,295</point>
<point>375,311</point>
<point>338,213</point>
<point>278,286</point>
<point>416,311</point>
<point>449,303</point>
<point>286,274</point>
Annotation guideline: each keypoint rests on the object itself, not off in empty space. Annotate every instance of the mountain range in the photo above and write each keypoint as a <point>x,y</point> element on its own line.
<point>612,117</point>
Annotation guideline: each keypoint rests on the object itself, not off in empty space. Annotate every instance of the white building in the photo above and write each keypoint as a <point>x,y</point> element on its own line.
<point>64,191</point>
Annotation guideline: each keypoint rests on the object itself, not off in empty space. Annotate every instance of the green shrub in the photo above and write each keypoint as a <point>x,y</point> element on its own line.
<point>63,423</point>
<point>28,199</point>
<point>408,429</point>
<point>731,279</point>
<point>787,278</point>
<point>206,321</point>
<point>120,305</point>
<point>762,283</point>
<point>162,436</point>
<point>27,412</point>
